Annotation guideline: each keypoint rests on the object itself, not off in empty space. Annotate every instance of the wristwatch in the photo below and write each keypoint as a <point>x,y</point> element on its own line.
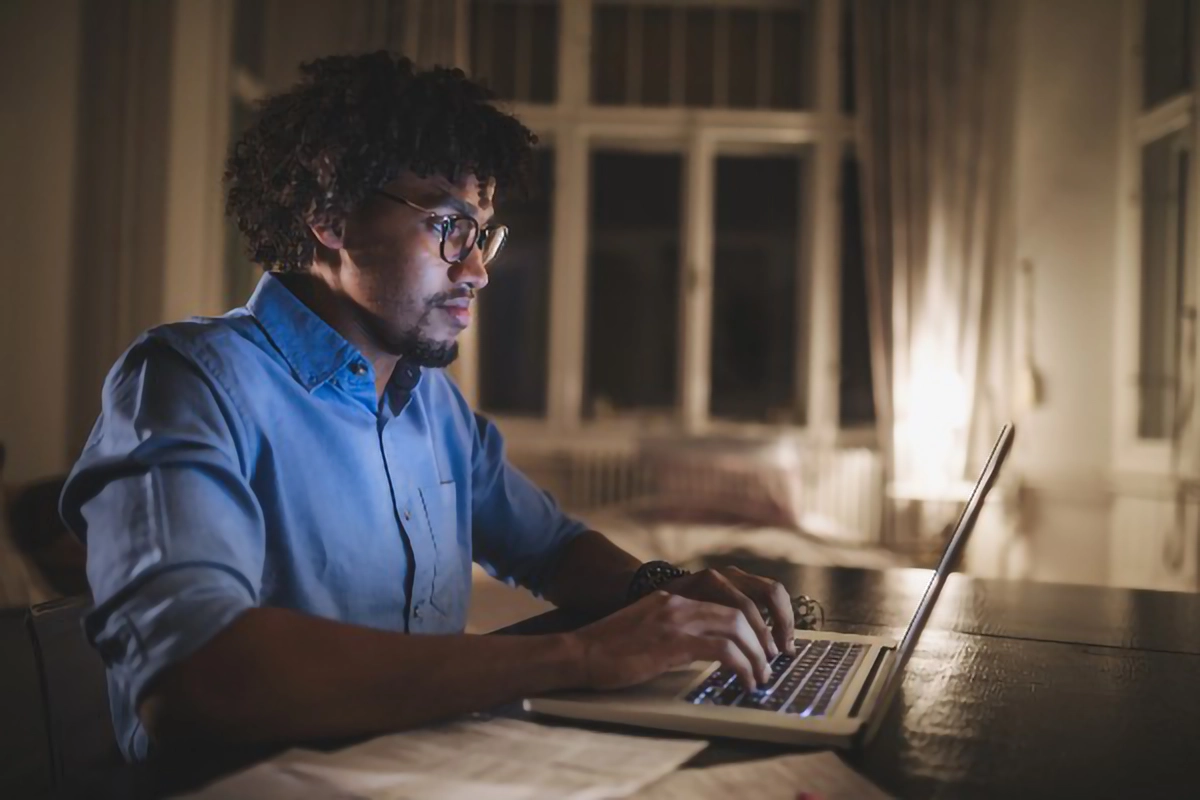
<point>651,576</point>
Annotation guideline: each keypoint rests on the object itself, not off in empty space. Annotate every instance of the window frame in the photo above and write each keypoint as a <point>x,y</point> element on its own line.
<point>577,127</point>
<point>1133,453</point>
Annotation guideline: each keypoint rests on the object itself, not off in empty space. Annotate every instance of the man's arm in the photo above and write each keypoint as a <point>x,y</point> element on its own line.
<point>275,675</point>
<point>593,576</point>
<point>278,675</point>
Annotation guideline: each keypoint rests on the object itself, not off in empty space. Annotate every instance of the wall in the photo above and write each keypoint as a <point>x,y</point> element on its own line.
<point>1065,201</point>
<point>39,68</point>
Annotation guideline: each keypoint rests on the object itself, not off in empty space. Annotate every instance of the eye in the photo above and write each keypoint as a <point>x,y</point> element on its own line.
<point>441,225</point>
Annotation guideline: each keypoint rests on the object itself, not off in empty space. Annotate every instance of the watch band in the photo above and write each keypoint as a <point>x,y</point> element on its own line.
<point>652,575</point>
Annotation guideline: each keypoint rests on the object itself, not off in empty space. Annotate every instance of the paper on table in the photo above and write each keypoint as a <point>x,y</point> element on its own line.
<point>500,758</point>
<point>820,774</point>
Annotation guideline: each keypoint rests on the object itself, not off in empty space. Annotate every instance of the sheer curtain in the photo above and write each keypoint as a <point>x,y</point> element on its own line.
<point>933,85</point>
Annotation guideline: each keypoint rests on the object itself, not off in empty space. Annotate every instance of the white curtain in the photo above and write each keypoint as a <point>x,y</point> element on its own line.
<point>932,84</point>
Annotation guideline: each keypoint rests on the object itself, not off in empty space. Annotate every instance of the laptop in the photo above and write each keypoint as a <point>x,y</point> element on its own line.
<point>832,693</point>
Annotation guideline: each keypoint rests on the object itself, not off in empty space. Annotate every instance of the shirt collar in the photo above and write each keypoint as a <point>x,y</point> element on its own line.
<point>313,349</point>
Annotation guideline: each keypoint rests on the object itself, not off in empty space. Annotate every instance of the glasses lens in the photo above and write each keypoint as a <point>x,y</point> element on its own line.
<point>460,238</point>
<point>494,238</point>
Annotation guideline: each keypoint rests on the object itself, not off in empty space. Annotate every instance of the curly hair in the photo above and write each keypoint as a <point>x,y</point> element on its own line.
<point>352,124</point>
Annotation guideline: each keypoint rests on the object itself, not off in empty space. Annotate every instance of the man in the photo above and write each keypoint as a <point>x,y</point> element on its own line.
<point>282,505</point>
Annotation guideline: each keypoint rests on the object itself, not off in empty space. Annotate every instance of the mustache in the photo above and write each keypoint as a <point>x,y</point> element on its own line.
<point>441,298</point>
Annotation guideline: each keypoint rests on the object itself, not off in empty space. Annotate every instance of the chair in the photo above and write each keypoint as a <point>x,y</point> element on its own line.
<point>25,766</point>
<point>78,721</point>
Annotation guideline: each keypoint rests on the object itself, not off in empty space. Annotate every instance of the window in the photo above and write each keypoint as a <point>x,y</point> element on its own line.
<point>1167,48</point>
<point>1159,265</point>
<point>1165,163</point>
<point>856,395</point>
<point>514,48</point>
<point>756,275</point>
<point>703,54</point>
<point>633,283</point>
<point>696,259</point>
<point>513,309</point>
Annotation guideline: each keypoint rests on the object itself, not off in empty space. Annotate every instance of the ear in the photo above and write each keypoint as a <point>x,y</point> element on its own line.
<point>330,236</point>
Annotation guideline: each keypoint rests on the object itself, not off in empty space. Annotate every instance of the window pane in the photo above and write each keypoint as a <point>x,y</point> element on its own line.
<point>1166,50</point>
<point>846,58</point>
<point>610,42</point>
<point>743,58</point>
<point>514,309</point>
<point>249,26</point>
<point>755,267</point>
<point>656,56</point>
<point>1164,204</point>
<point>698,55</point>
<point>544,54</point>
<point>633,283</point>
<point>856,399</point>
<point>514,47</point>
<point>792,58</point>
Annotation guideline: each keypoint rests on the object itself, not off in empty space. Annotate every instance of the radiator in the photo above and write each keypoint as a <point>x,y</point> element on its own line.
<point>833,493</point>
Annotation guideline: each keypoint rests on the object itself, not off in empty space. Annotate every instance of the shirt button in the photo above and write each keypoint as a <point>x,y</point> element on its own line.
<point>407,515</point>
<point>358,368</point>
<point>417,611</point>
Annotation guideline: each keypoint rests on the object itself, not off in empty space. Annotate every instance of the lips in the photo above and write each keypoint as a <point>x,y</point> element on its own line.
<point>459,312</point>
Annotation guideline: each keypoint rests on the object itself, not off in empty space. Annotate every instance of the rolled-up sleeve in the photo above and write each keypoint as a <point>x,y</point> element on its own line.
<point>519,531</point>
<point>175,536</point>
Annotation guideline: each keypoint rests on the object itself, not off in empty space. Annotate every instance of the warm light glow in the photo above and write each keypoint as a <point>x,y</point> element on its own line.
<point>931,423</point>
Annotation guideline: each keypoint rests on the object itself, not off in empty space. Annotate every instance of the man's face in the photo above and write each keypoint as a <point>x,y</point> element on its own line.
<point>409,300</point>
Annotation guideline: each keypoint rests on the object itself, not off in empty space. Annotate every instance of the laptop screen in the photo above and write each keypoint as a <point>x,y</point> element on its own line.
<point>966,523</point>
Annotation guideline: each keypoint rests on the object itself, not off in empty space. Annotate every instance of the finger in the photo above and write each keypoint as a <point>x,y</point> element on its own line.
<point>779,606</point>
<point>742,602</point>
<point>723,589</point>
<point>772,599</point>
<point>731,656</point>
<point>714,620</point>
<point>730,623</point>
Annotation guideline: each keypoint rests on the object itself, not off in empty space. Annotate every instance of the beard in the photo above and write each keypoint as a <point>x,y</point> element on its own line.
<point>416,349</point>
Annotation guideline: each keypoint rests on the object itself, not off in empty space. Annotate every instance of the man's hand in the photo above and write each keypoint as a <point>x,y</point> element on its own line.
<point>664,631</point>
<point>730,586</point>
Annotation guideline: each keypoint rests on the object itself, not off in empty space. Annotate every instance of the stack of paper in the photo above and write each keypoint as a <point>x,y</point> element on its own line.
<point>498,758</point>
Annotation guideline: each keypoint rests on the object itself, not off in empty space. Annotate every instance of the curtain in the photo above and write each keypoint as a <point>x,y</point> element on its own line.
<point>932,80</point>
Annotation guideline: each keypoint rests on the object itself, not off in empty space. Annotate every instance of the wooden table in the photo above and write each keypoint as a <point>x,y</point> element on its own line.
<point>1017,690</point>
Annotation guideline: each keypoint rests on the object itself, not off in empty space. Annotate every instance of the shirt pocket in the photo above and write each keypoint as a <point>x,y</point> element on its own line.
<point>452,564</point>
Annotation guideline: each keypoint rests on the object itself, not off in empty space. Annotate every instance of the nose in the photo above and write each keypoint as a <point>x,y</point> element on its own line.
<point>470,271</point>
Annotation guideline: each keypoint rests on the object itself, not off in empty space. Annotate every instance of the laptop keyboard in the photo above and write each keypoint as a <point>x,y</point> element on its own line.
<point>805,684</point>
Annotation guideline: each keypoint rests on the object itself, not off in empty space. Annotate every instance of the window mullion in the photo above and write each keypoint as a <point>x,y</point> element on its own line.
<point>824,369</point>
<point>568,278</point>
<point>696,281</point>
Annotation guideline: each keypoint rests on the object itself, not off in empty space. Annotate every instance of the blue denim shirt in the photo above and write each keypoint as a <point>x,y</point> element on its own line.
<point>245,461</point>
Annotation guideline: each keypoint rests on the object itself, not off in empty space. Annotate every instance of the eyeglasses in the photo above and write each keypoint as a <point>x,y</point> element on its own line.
<point>459,233</point>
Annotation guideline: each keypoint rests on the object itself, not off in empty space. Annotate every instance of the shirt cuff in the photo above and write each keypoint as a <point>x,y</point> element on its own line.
<point>165,619</point>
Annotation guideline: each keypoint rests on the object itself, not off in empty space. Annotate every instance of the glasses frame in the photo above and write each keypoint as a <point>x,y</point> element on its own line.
<point>446,223</point>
